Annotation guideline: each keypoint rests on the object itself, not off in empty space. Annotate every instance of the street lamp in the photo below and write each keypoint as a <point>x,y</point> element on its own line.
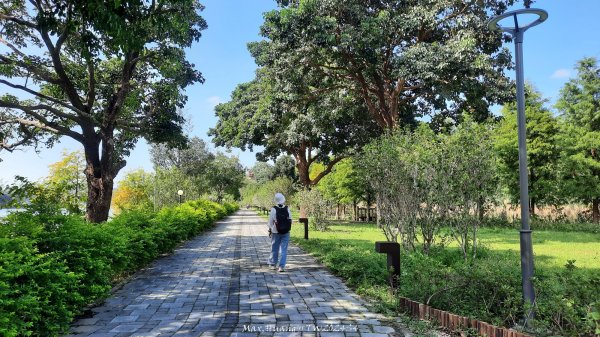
<point>525,233</point>
<point>180,193</point>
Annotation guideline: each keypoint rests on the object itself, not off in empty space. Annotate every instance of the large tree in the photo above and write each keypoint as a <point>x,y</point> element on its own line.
<point>580,106</point>
<point>284,118</point>
<point>103,73</point>
<point>403,59</point>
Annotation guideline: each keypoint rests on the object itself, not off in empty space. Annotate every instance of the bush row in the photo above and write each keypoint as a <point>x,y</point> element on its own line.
<point>53,266</point>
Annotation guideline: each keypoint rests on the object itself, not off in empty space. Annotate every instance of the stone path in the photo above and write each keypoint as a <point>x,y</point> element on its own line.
<point>219,284</point>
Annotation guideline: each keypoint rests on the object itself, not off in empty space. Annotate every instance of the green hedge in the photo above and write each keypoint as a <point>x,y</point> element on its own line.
<point>53,266</point>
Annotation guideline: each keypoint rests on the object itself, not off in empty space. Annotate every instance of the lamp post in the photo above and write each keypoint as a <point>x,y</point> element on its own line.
<point>525,233</point>
<point>180,193</point>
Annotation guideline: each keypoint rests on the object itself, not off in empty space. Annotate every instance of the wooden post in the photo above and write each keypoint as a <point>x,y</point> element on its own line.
<point>305,222</point>
<point>392,249</point>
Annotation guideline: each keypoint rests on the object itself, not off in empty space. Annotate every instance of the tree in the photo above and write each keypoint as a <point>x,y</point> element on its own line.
<point>133,191</point>
<point>103,73</point>
<point>227,177</point>
<point>344,185</point>
<point>580,106</point>
<point>403,59</point>
<point>67,176</point>
<point>283,120</point>
<point>263,172</point>
<point>542,150</point>
<point>467,170</point>
<point>194,159</point>
<point>423,181</point>
<point>285,166</point>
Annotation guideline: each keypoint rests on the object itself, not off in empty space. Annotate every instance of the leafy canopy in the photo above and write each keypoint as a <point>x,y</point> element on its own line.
<point>401,58</point>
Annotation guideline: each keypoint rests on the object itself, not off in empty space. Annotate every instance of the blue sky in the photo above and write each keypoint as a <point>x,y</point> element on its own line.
<point>551,50</point>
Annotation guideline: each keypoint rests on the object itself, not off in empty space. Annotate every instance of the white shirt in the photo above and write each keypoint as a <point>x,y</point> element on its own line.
<point>273,216</point>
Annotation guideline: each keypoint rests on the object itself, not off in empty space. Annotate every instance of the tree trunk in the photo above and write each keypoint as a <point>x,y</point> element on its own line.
<point>100,191</point>
<point>532,206</point>
<point>355,209</point>
<point>480,209</point>
<point>100,171</point>
<point>596,210</point>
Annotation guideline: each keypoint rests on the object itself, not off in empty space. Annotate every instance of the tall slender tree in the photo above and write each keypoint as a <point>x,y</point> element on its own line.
<point>580,106</point>
<point>103,73</point>
<point>542,150</point>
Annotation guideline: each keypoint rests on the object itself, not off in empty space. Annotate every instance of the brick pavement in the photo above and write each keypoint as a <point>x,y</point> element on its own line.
<point>219,284</point>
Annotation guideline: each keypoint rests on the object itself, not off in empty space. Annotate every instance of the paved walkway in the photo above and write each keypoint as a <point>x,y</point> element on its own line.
<point>219,284</point>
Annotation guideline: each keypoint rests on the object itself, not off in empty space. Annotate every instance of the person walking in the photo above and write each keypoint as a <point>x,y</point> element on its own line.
<point>280,223</point>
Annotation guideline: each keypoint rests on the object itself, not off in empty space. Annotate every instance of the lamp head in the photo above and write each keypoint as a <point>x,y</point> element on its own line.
<point>493,22</point>
<point>180,192</point>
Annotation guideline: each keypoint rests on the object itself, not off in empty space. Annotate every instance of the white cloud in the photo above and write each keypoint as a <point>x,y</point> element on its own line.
<point>561,73</point>
<point>213,101</point>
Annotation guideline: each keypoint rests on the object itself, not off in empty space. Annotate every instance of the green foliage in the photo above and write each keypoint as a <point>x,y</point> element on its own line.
<point>38,292</point>
<point>317,208</point>
<point>180,168</point>
<point>261,195</point>
<point>422,181</point>
<point>344,185</point>
<point>194,159</point>
<point>542,150</point>
<point>133,191</point>
<point>52,266</point>
<point>580,137</point>
<point>286,118</point>
<point>226,177</point>
<point>107,73</point>
<point>39,199</point>
<point>401,59</point>
<point>66,177</point>
<point>262,172</point>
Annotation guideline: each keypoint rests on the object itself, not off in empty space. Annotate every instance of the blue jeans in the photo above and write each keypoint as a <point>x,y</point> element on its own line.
<point>279,242</point>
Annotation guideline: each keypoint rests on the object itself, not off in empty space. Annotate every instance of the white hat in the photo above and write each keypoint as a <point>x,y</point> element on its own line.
<point>279,199</point>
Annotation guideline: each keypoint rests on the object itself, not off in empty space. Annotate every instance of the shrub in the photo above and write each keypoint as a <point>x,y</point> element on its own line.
<point>37,291</point>
<point>231,207</point>
<point>51,266</point>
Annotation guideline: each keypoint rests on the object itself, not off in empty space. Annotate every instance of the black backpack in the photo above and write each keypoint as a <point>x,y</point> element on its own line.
<point>282,221</point>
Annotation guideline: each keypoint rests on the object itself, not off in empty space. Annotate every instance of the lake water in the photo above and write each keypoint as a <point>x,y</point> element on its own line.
<point>5,212</point>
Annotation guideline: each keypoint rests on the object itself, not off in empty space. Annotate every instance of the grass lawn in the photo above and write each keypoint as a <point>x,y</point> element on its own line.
<point>551,248</point>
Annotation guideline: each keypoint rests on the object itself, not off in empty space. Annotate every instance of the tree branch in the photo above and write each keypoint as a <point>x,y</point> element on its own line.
<point>327,170</point>
<point>11,147</point>
<point>41,73</point>
<point>54,51</point>
<point>91,94</point>
<point>116,101</point>
<point>43,123</point>
<point>51,99</point>
<point>18,21</point>
<point>12,47</point>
